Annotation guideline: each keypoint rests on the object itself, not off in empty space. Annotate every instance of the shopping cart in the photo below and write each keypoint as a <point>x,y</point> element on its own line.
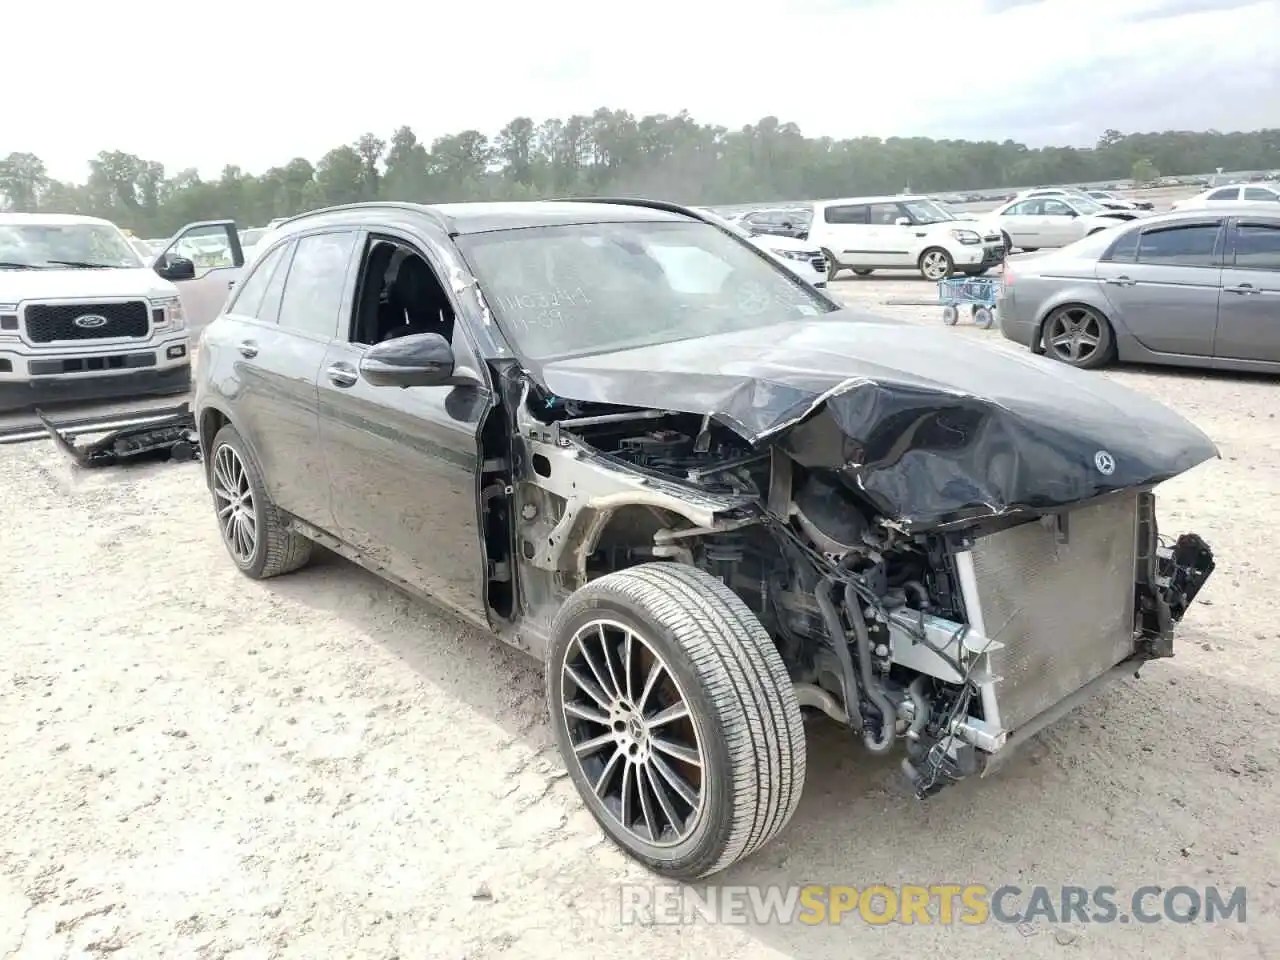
<point>977,293</point>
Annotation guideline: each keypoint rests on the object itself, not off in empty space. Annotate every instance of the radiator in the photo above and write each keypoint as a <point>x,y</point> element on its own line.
<point>1061,600</point>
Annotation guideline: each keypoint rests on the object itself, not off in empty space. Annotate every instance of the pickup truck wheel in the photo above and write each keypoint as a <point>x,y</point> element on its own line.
<point>675,717</point>
<point>936,264</point>
<point>254,532</point>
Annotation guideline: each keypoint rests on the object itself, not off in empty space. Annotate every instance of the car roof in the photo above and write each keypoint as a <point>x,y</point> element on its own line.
<point>486,216</point>
<point>1217,210</point>
<point>49,219</point>
<point>894,198</point>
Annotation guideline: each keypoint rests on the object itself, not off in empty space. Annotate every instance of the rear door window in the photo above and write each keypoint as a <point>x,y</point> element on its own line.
<point>1257,246</point>
<point>1192,245</point>
<point>846,214</point>
<point>317,282</point>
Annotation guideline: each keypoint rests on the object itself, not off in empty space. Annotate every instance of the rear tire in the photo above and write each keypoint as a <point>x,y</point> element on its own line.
<point>724,774</point>
<point>983,318</point>
<point>253,530</point>
<point>1079,336</point>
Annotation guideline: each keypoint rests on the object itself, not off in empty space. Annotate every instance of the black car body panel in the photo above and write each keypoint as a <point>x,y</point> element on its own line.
<point>931,430</point>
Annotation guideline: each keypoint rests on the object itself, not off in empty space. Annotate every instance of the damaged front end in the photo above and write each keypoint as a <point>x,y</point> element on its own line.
<point>937,572</point>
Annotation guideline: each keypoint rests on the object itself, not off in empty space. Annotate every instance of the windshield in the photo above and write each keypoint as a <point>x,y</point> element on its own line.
<point>570,290</point>
<point>72,244</point>
<point>927,211</point>
<point>1085,205</point>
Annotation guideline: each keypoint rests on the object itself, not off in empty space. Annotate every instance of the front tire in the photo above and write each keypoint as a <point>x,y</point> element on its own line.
<point>936,264</point>
<point>862,272</point>
<point>253,530</point>
<point>834,266</point>
<point>675,717</point>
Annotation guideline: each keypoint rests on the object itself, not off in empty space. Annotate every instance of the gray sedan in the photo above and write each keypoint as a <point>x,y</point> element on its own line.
<point>1192,288</point>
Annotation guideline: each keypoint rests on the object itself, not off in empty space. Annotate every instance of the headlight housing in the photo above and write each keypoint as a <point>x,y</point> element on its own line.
<point>173,316</point>
<point>796,254</point>
<point>967,237</point>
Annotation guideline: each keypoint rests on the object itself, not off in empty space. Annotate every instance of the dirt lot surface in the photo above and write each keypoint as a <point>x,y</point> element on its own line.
<point>201,766</point>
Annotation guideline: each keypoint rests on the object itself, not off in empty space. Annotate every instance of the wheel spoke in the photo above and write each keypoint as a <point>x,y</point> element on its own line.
<point>655,671</point>
<point>612,694</point>
<point>627,807</point>
<point>626,669</point>
<point>587,686</point>
<point>646,801</point>
<point>677,750</point>
<point>608,663</point>
<point>664,799</point>
<point>677,711</point>
<point>586,713</point>
<point>677,783</point>
<point>607,773</point>
<point>588,747</point>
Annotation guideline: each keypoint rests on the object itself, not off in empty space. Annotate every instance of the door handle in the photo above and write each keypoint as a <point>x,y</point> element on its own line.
<point>1121,282</point>
<point>248,348</point>
<point>1243,288</point>
<point>342,375</point>
<point>921,233</point>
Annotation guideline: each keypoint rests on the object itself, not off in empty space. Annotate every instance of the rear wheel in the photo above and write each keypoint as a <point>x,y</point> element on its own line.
<point>936,264</point>
<point>254,532</point>
<point>983,318</point>
<point>675,717</point>
<point>1079,336</point>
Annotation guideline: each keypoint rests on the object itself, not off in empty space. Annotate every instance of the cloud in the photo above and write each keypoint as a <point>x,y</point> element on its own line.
<point>255,83</point>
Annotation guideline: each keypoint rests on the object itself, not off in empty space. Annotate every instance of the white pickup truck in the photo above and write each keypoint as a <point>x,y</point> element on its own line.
<point>84,317</point>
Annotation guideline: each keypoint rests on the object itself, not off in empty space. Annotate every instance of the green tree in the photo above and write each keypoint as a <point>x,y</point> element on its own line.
<point>1144,171</point>
<point>613,152</point>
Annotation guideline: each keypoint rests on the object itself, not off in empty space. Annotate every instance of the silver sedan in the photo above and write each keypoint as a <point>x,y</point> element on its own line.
<point>1197,288</point>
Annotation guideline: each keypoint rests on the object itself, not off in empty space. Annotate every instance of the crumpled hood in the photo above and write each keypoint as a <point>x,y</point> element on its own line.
<point>932,428</point>
<point>19,285</point>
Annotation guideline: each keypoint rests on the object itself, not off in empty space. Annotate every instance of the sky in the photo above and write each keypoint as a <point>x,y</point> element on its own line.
<point>257,82</point>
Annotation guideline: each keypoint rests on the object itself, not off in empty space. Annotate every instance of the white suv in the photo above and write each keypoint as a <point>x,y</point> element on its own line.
<point>863,234</point>
<point>81,315</point>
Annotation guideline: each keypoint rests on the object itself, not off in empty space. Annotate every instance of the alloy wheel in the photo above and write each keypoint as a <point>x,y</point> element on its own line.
<point>233,499</point>
<point>1074,334</point>
<point>934,265</point>
<point>633,737</point>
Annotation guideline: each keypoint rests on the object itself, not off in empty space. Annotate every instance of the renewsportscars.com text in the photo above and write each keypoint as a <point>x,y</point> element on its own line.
<point>945,904</point>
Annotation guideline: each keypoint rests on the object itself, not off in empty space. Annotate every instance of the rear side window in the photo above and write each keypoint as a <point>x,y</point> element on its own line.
<point>851,214</point>
<point>1258,246</point>
<point>1189,246</point>
<point>248,301</point>
<point>317,280</point>
<point>1228,193</point>
<point>1125,249</point>
<point>1258,193</point>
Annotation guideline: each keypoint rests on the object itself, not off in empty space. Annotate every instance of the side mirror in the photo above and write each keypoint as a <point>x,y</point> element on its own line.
<point>416,360</point>
<point>175,268</point>
<point>1073,214</point>
<point>903,222</point>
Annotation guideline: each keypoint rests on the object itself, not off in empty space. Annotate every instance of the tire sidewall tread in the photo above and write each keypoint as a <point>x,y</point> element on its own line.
<point>733,675</point>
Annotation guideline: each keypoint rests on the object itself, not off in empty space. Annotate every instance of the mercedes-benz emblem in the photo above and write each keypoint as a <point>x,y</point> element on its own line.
<point>1105,463</point>
<point>90,321</point>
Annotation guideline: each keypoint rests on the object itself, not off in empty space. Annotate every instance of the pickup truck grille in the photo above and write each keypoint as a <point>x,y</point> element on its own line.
<point>50,322</point>
<point>1063,610</point>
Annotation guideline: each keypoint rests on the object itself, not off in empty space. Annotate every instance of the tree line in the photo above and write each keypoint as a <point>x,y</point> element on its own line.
<point>610,152</point>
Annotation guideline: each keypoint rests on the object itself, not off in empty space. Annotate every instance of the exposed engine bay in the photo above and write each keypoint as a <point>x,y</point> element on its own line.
<point>955,642</point>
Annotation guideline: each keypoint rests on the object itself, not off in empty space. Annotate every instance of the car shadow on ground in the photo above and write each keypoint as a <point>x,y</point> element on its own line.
<point>1142,785</point>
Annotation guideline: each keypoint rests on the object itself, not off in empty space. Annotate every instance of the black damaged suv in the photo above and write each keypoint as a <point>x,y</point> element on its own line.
<point>708,498</point>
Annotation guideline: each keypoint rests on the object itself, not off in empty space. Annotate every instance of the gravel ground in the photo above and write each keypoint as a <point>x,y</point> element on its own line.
<point>202,766</point>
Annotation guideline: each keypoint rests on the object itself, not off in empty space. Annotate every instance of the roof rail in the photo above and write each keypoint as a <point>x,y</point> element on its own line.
<point>370,205</point>
<point>664,205</point>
